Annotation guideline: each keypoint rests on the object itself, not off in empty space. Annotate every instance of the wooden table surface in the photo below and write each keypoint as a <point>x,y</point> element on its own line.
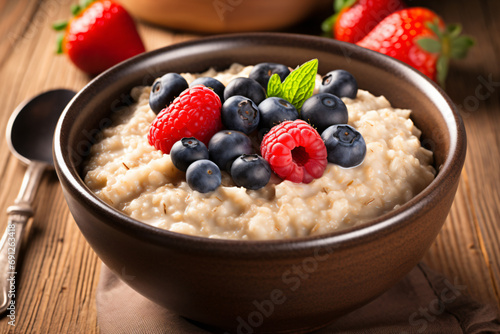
<point>56,283</point>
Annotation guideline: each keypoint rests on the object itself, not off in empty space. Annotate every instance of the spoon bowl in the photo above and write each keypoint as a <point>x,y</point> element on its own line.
<point>36,119</point>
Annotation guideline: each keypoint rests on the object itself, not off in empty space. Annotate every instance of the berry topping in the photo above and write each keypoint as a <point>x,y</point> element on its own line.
<point>203,176</point>
<point>340,83</point>
<point>186,151</point>
<point>295,151</point>
<point>275,110</point>
<point>195,113</point>
<point>225,146</point>
<point>240,113</point>
<point>262,72</point>
<point>217,86</point>
<point>165,90</point>
<point>246,87</point>
<point>250,171</point>
<point>345,146</point>
<point>323,110</point>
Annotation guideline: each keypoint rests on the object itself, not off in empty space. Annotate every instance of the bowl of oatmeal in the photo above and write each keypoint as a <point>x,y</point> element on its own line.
<point>289,256</point>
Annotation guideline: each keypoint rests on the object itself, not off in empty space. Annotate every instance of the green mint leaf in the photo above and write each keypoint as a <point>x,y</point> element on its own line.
<point>274,86</point>
<point>299,84</point>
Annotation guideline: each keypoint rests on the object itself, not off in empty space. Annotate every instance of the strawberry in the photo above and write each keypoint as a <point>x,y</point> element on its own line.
<point>419,37</point>
<point>100,35</point>
<point>354,19</point>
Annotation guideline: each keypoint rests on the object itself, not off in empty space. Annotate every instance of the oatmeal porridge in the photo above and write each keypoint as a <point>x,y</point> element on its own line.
<point>129,174</point>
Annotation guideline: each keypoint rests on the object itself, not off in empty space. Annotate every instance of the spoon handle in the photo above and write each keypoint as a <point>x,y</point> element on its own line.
<point>9,254</point>
<point>10,245</point>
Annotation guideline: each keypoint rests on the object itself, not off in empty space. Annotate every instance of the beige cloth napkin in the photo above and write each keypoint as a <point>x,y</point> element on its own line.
<point>423,302</point>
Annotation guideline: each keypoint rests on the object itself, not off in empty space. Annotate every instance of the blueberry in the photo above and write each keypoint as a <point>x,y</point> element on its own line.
<point>340,83</point>
<point>203,176</point>
<point>217,86</point>
<point>186,151</point>
<point>250,171</point>
<point>275,110</point>
<point>345,146</point>
<point>165,90</point>
<point>246,87</point>
<point>262,72</point>
<point>240,113</point>
<point>227,145</point>
<point>324,109</point>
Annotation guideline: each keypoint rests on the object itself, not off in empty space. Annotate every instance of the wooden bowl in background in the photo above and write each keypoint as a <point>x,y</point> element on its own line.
<point>218,16</point>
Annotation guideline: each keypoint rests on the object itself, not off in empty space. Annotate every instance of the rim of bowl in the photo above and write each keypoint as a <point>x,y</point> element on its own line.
<point>363,232</point>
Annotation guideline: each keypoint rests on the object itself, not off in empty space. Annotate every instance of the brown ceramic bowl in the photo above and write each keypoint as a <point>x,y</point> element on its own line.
<point>218,16</point>
<point>272,286</point>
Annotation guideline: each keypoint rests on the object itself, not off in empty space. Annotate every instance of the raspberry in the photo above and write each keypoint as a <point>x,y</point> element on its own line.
<point>194,113</point>
<point>295,151</point>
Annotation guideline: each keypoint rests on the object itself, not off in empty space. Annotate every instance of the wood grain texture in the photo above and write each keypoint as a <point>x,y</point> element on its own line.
<point>58,276</point>
<point>468,247</point>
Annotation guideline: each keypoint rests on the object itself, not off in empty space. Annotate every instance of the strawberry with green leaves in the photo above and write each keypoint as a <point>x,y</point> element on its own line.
<point>419,37</point>
<point>353,19</point>
<point>100,35</point>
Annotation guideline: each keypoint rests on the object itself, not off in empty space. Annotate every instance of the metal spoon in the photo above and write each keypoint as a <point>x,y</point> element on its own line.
<point>29,135</point>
